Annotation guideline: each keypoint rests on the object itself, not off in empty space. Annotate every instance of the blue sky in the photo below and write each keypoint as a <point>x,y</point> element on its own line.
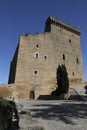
<point>28,16</point>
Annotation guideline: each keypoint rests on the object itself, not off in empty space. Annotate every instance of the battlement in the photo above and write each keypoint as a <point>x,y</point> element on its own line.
<point>56,22</point>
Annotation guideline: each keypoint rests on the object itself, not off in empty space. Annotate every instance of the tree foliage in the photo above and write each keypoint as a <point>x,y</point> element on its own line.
<point>6,112</point>
<point>62,79</point>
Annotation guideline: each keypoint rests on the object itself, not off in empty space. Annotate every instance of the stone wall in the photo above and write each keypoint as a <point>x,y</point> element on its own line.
<point>5,91</point>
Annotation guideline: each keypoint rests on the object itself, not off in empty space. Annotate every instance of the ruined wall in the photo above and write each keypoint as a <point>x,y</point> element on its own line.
<point>5,91</point>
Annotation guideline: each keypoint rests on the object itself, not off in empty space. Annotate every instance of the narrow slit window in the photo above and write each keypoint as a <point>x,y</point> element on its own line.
<point>77,60</point>
<point>45,57</point>
<point>70,40</point>
<point>73,74</point>
<point>63,56</point>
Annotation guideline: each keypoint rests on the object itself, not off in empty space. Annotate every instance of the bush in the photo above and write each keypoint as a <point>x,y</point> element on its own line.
<point>6,111</point>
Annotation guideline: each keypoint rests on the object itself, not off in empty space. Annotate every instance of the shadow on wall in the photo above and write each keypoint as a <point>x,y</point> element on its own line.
<point>48,97</point>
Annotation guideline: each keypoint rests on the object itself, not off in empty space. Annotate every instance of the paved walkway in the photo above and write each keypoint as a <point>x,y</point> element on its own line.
<point>58,115</point>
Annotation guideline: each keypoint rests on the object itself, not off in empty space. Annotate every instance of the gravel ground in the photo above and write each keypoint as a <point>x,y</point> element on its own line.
<point>57,115</point>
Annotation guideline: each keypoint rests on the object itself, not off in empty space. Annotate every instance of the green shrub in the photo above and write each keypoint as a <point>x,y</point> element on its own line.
<point>6,111</point>
<point>5,107</point>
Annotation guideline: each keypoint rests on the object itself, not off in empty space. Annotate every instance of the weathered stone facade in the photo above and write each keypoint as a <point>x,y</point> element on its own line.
<point>37,57</point>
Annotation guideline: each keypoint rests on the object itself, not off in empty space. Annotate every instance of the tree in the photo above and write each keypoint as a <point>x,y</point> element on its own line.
<point>62,80</point>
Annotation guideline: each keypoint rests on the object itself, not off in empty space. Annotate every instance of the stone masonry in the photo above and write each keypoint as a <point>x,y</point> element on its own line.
<point>36,59</point>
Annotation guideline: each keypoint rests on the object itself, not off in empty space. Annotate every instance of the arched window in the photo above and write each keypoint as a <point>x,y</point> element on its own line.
<point>36,55</point>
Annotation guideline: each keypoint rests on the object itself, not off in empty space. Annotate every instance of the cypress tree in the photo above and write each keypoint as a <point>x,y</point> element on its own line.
<point>62,80</point>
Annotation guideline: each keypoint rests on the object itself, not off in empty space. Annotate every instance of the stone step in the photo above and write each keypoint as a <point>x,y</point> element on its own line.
<point>74,95</point>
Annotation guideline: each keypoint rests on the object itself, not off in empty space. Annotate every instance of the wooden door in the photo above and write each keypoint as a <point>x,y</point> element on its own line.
<point>31,95</point>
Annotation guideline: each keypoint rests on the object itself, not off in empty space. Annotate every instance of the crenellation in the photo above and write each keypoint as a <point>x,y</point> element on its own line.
<point>52,21</point>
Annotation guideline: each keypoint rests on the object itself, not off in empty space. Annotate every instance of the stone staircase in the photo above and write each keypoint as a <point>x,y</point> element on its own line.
<point>74,95</point>
<point>78,93</point>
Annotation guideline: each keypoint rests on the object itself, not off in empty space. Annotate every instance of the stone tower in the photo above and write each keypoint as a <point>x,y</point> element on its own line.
<point>37,57</point>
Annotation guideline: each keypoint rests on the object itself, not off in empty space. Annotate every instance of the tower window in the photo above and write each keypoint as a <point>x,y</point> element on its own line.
<point>73,74</point>
<point>70,41</point>
<point>36,55</point>
<point>35,72</point>
<point>63,56</point>
<point>73,50</point>
<point>45,57</point>
<point>37,46</point>
<point>77,60</point>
